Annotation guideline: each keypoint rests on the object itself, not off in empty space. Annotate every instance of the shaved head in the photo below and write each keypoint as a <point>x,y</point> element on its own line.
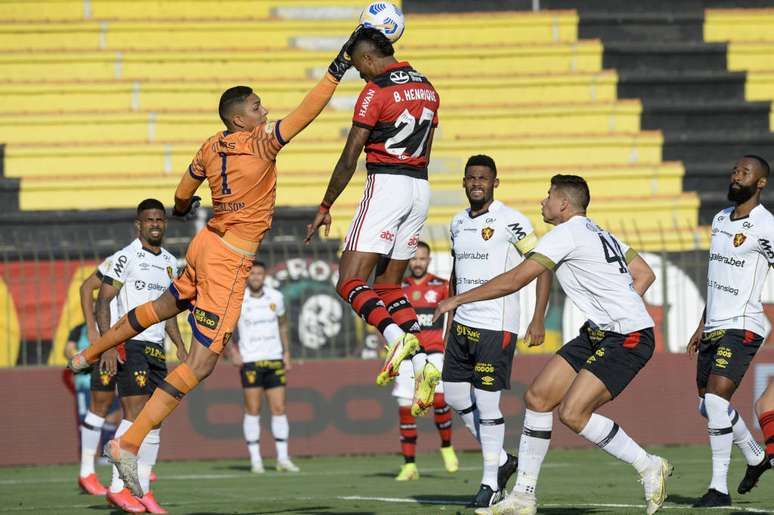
<point>760,165</point>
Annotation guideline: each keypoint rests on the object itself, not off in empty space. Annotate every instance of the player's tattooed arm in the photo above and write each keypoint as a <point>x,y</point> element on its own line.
<point>87,289</point>
<point>345,167</point>
<point>107,292</point>
<point>342,174</point>
<point>642,275</point>
<point>173,330</point>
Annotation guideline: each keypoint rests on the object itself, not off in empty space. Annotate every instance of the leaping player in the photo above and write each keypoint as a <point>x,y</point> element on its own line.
<point>240,166</point>
<point>394,120</point>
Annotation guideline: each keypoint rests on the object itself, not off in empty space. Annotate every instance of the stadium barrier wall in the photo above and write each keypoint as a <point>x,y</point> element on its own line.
<point>335,409</point>
<point>39,303</point>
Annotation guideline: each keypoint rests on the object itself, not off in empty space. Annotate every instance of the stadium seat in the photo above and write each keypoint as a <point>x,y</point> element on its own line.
<point>114,110</point>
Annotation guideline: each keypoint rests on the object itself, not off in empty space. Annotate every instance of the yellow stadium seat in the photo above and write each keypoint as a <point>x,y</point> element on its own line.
<point>76,128</point>
<point>281,96</point>
<point>37,160</point>
<point>40,10</point>
<point>739,25</point>
<point>508,28</point>
<point>108,65</point>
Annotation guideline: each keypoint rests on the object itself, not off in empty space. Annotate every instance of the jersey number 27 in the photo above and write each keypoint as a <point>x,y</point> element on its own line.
<point>410,138</point>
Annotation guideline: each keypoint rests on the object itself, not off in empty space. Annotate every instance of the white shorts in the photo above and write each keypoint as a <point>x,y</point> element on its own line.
<point>403,388</point>
<point>390,216</point>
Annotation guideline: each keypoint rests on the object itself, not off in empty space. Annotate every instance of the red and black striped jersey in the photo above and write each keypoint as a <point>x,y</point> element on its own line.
<point>400,107</point>
<point>425,294</point>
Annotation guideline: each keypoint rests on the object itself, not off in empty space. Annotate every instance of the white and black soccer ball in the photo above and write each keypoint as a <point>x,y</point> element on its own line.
<point>386,17</point>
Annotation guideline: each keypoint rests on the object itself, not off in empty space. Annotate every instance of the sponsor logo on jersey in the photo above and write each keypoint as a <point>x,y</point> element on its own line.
<point>431,296</point>
<point>472,255</point>
<point>723,287</point>
<point>366,102</point>
<point>487,233</point>
<point>413,241</point>
<point>747,225</point>
<point>118,267</point>
<point>766,246</point>
<point>487,380</point>
<point>139,285</point>
<point>517,230</point>
<point>387,236</point>
<point>399,77</point>
<point>141,378</point>
<point>730,261</point>
<point>206,318</point>
<point>739,239</point>
<point>144,267</point>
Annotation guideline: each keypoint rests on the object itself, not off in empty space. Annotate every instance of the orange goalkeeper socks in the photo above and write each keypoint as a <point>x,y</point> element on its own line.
<point>163,402</point>
<point>135,322</point>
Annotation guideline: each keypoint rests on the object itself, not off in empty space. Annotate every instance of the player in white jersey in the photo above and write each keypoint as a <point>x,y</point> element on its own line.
<point>732,327</point>
<point>139,273</point>
<point>487,238</point>
<point>605,279</point>
<point>101,386</point>
<point>262,352</point>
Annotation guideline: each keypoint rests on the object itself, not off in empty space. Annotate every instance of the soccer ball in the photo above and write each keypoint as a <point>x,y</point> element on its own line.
<point>386,17</point>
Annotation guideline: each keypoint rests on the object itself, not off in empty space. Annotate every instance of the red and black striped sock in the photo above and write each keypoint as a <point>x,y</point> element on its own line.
<point>398,306</point>
<point>408,434</point>
<point>366,303</point>
<point>766,421</point>
<point>443,419</point>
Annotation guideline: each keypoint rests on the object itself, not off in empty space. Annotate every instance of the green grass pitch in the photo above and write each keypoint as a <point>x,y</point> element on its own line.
<point>572,482</point>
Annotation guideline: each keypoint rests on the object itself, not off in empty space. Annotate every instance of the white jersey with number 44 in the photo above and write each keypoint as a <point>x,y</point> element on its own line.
<point>741,252</point>
<point>591,266</point>
<point>484,246</point>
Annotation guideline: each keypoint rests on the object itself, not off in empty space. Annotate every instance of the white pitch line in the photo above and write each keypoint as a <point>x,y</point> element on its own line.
<point>542,505</point>
<point>186,477</point>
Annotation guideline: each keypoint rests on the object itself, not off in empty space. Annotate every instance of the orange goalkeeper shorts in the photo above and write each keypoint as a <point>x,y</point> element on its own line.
<point>214,285</point>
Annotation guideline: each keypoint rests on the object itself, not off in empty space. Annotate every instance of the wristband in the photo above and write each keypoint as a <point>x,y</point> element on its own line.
<point>324,208</point>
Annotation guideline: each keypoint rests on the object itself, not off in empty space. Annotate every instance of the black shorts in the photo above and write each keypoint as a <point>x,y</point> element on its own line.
<point>102,381</point>
<point>727,353</point>
<point>480,357</point>
<point>263,374</point>
<point>143,370</point>
<point>613,358</point>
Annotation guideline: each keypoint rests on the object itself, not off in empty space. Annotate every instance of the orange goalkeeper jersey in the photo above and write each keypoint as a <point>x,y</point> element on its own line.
<point>241,170</point>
